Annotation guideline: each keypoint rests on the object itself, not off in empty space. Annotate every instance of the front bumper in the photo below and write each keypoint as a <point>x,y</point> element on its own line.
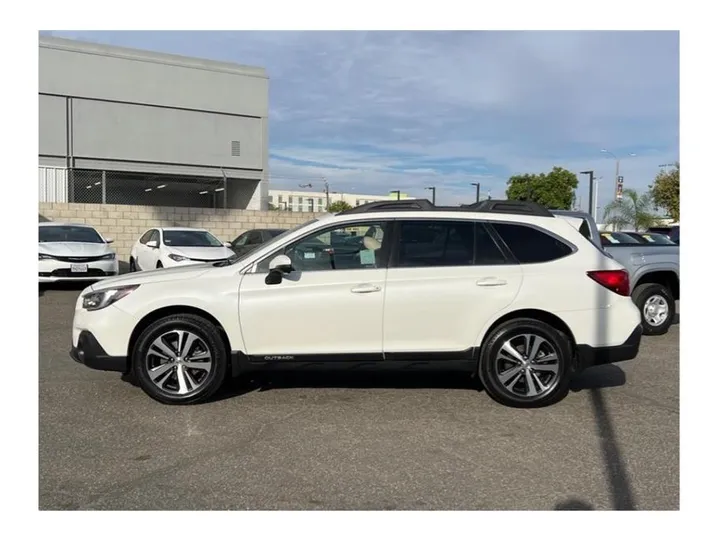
<point>51,270</point>
<point>589,356</point>
<point>90,353</point>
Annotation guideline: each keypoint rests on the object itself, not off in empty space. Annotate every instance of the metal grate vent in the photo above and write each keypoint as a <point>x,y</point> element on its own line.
<point>235,148</point>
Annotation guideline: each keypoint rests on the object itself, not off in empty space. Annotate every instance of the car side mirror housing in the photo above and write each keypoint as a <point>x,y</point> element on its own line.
<point>109,240</point>
<point>152,244</point>
<point>227,244</point>
<point>281,263</point>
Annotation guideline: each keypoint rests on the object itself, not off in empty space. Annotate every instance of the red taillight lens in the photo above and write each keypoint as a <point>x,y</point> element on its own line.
<point>618,281</point>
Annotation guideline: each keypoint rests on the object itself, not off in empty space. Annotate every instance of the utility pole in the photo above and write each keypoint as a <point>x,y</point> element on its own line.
<point>327,194</point>
<point>591,191</point>
<point>618,179</point>
<point>477,191</point>
<point>432,188</point>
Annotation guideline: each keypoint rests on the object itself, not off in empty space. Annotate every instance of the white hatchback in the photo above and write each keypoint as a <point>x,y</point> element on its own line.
<point>176,246</point>
<point>502,290</point>
<point>74,252</point>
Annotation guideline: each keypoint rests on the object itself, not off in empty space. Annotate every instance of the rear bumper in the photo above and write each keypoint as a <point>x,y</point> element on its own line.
<point>589,356</point>
<point>91,354</point>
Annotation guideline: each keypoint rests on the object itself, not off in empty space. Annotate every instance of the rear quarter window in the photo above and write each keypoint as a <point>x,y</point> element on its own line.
<point>530,245</point>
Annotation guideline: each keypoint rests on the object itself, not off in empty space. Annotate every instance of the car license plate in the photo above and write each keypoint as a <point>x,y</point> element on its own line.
<point>78,268</point>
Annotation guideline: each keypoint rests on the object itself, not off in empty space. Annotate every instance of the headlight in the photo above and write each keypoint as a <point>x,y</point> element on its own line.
<point>108,257</point>
<point>177,258</point>
<point>96,300</point>
<point>43,257</point>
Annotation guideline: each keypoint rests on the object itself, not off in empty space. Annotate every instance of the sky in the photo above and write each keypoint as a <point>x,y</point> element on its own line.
<point>377,111</point>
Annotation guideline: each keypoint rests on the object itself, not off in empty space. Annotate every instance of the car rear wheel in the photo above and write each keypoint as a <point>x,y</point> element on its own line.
<point>180,359</point>
<point>657,308</point>
<point>526,363</point>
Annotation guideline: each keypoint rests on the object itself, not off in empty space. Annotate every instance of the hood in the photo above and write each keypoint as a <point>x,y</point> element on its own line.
<point>74,249</point>
<point>154,276</point>
<point>203,253</point>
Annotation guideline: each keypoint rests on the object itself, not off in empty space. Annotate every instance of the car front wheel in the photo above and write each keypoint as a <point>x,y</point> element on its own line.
<point>180,359</point>
<point>526,363</point>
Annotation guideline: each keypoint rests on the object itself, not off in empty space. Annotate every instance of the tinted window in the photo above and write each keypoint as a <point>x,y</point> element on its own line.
<point>675,235</point>
<point>145,237</point>
<point>241,240</point>
<point>255,237</point>
<point>530,245</point>
<point>70,233</point>
<point>155,235</point>
<point>190,239</point>
<point>346,247</point>
<point>436,243</point>
<point>487,251</point>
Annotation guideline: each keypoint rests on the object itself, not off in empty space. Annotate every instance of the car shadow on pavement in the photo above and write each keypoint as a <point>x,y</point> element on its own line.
<point>262,382</point>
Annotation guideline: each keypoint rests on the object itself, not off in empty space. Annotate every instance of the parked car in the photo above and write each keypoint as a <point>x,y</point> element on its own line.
<point>651,238</point>
<point>176,246</point>
<point>253,238</point>
<point>617,238</point>
<point>502,290</point>
<point>74,252</point>
<point>654,274</point>
<point>671,231</point>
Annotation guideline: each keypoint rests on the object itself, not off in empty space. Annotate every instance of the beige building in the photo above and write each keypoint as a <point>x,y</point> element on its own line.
<point>316,201</point>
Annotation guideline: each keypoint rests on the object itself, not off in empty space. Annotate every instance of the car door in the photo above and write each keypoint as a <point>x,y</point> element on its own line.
<point>445,281</point>
<point>148,256</point>
<point>329,307</point>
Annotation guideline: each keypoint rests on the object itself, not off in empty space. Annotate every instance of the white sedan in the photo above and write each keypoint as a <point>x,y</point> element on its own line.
<point>176,246</point>
<point>74,252</point>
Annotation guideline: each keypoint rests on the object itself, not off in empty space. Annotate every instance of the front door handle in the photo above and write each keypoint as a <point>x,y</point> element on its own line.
<point>490,282</point>
<point>365,288</point>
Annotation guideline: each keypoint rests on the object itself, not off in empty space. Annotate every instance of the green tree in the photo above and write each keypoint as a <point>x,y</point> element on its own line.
<point>665,191</point>
<point>553,190</point>
<point>633,210</point>
<point>339,206</point>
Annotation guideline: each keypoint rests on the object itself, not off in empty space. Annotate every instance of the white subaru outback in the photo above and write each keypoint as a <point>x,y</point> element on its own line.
<point>503,290</point>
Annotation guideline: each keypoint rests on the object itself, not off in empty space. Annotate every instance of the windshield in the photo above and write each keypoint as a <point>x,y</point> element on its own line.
<point>190,239</point>
<point>276,232</point>
<point>656,238</point>
<point>70,233</point>
<point>617,238</point>
<point>279,238</point>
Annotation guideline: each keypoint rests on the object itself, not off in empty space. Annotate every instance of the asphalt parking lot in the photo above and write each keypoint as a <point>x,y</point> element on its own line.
<point>348,442</point>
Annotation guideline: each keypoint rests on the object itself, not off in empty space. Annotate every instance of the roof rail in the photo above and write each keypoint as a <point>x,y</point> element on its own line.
<point>509,207</point>
<point>496,206</point>
<point>382,206</point>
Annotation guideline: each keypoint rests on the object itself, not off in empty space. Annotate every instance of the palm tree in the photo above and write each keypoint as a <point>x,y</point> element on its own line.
<point>633,210</point>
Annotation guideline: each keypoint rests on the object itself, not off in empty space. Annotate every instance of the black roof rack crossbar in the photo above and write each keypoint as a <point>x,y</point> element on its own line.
<point>496,206</point>
<point>381,206</point>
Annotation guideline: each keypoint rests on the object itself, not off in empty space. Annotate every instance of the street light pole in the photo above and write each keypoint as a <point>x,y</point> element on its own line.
<point>432,188</point>
<point>618,178</point>
<point>592,186</point>
<point>477,191</point>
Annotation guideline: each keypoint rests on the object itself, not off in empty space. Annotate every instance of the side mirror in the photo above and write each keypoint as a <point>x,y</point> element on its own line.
<point>152,244</point>
<point>282,263</point>
<point>227,244</point>
<point>109,240</point>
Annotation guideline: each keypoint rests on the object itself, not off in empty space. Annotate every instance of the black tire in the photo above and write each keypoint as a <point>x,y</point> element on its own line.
<point>159,265</point>
<point>133,266</point>
<point>640,297</point>
<point>207,332</point>
<point>490,379</point>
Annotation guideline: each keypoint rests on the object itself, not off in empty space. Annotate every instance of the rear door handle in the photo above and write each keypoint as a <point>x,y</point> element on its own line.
<point>365,288</point>
<point>490,282</point>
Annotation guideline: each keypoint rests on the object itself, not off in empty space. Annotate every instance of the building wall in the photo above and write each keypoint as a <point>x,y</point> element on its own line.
<point>117,109</point>
<point>124,224</point>
<point>316,200</point>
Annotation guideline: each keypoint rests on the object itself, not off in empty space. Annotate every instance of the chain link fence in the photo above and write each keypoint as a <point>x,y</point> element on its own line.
<point>113,187</point>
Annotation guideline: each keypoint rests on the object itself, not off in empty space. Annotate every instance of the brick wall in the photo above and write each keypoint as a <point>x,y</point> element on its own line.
<point>125,224</point>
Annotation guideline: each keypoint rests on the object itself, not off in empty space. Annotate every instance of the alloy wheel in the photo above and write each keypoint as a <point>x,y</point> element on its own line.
<point>179,362</point>
<point>528,366</point>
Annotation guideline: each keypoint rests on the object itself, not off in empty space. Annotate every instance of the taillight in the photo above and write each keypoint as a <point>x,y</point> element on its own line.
<point>618,281</point>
